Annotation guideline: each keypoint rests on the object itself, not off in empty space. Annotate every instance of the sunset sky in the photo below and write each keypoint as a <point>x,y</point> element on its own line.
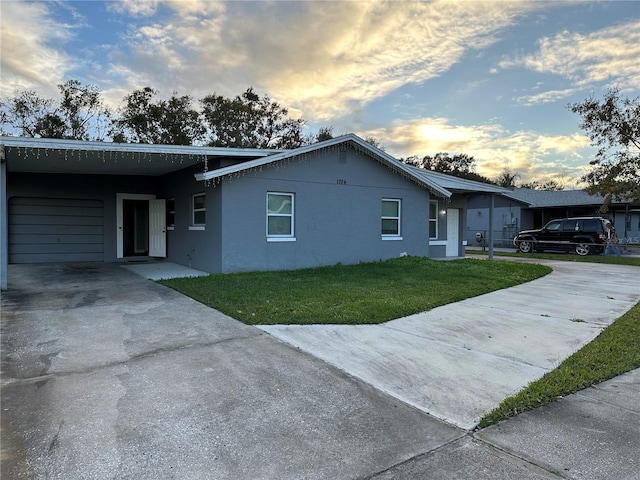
<point>489,79</point>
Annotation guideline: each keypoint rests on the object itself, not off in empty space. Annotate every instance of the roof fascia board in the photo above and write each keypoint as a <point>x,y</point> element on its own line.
<point>62,144</point>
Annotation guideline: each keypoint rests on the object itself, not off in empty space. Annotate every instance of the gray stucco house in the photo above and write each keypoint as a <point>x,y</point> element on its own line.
<point>523,209</point>
<point>221,209</point>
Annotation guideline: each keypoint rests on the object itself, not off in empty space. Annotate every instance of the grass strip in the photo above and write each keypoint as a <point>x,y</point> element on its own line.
<point>365,293</point>
<point>566,257</point>
<point>615,351</point>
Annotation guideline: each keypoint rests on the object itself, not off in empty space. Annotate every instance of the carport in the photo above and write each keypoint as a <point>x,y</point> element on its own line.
<point>69,201</point>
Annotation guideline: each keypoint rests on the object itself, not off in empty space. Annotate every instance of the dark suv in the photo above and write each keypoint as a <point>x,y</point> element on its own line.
<point>583,235</point>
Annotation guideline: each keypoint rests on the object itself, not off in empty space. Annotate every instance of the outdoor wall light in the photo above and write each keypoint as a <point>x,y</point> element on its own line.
<point>443,212</point>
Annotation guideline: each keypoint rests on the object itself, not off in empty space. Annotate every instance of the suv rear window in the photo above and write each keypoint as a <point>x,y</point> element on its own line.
<point>570,226</point>
<point>589,225</point>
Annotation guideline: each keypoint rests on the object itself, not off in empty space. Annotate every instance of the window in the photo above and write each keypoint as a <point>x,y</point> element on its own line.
<point>390,217</point>
<point>433,219</point>
<point>171,213</point>
<point>280,216</point>
<point>199,210</point>
<point>553,226</point>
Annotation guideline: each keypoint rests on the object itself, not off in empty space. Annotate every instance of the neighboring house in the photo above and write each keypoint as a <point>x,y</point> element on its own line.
<point>523,209</point>
<point>222,209</point>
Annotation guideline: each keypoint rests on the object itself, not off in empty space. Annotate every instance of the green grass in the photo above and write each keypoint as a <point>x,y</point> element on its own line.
<point>566,257</point>
<point>354,294</point>
<point>616,350</point>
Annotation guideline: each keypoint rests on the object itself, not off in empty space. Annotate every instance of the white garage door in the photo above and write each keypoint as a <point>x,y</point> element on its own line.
<point>55,230</point>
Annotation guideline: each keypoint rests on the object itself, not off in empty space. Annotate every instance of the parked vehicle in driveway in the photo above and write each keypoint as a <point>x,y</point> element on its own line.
<point>582,235</point>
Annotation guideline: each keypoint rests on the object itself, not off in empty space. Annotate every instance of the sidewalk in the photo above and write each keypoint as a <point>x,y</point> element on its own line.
<point>593,434</point>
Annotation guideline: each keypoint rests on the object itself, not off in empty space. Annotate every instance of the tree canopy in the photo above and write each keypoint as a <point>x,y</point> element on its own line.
<point>245,121</point>
<point>613,126</point>
<point>78,114</point>
<point>145,120</point>
<point>250,121</point>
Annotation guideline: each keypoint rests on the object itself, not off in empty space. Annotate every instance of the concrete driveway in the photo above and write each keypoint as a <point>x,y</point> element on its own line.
<point>106,375</point>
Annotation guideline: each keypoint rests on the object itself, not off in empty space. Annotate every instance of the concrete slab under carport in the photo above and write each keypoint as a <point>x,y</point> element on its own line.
<point>460,361</point>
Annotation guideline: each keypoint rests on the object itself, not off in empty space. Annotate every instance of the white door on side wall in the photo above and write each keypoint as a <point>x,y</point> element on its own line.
<point>453,232</point>
<point>157,228</point>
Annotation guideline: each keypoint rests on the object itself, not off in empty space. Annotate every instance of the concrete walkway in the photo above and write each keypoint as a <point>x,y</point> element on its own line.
<point>459,361</point>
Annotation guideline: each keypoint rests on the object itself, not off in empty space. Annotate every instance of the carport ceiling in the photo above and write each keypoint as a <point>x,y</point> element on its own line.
<point>37,155</point>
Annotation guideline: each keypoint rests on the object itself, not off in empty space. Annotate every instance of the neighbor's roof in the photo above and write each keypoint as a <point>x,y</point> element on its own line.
<point>350,139</point>
<point>456,184</point>
<point>554,198</point>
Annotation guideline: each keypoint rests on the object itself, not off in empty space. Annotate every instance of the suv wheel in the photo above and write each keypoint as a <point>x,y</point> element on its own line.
<point>525,246</point>
<point>583,249</point>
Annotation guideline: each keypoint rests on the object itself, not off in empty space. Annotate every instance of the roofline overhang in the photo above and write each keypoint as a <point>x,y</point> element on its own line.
<point>352,139</point>
<point>82,145</point>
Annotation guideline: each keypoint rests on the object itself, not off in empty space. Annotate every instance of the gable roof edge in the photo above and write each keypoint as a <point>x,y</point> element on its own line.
<point>358,143</point>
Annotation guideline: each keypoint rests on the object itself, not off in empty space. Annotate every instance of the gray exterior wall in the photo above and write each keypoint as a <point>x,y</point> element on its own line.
<point>508,218</point>
<point>4,222</point>
<point>199,249</point>
<point>337,214</point>
<point>436,249</point>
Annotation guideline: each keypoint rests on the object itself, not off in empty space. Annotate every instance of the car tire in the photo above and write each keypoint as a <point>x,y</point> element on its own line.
<point>525,246</point>
<point>583,249</point>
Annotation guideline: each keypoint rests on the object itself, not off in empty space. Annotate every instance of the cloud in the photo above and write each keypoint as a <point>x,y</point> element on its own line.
<point>324,59</point>
<point>31,53</point>
<point>134,7</point>
<point>607,57</point>
<point>545,97</point>
<point>531,154</point>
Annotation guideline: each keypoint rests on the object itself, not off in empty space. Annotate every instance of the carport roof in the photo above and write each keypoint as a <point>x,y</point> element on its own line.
<point>46,155</point>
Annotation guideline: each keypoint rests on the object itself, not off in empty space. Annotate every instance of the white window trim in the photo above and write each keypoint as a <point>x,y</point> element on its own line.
<point>433,202</point>
<point>194,225</point>
<point>275,237</point>
<point>393,236</point>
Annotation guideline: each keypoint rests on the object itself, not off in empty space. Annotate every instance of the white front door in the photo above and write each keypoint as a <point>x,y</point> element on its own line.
<point>453,232</point>
<point>157,228</point>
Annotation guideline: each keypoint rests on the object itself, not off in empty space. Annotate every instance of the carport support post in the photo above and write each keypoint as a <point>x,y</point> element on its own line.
<point>4,222</point>
<point>491,204</point>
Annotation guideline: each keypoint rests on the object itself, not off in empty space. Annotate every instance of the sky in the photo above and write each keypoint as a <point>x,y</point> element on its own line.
<point>488,79</point>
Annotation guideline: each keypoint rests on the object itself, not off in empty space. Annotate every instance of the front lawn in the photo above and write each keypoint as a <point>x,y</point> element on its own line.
<point>352,294</point>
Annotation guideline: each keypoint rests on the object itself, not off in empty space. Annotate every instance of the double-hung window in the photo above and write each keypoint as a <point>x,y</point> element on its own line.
<point>280,216</point>
<point>433,219</point>
<point>199,211</point>
<point>391,208</point>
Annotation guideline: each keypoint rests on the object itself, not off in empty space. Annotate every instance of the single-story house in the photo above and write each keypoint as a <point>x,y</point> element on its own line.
<point>223,209</point>
<point>523,209</point>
